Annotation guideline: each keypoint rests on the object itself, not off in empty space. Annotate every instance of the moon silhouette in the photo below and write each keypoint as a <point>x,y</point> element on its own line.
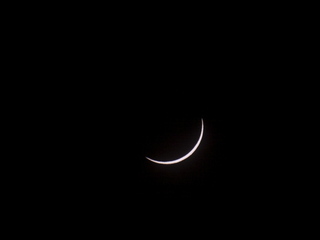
<point>185,156</point>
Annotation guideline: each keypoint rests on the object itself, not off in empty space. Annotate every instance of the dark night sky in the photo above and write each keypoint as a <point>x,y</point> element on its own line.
<point>113,89</point>
<point>104,123</point>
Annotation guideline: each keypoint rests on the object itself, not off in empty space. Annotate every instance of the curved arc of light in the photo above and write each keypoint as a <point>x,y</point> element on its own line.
<point>185,156</point>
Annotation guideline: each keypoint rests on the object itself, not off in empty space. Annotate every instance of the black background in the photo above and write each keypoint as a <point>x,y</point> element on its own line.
<point>96,86</point>
<point>106,91</point>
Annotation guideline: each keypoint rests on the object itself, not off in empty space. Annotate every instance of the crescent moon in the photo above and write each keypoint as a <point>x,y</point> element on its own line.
<point>185,156</point>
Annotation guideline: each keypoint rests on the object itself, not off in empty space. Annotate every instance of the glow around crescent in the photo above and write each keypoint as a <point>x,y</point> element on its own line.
<point>185,156</point>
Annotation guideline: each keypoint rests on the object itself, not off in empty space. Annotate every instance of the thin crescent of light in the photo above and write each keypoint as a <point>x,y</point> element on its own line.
<point>185,156</point>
